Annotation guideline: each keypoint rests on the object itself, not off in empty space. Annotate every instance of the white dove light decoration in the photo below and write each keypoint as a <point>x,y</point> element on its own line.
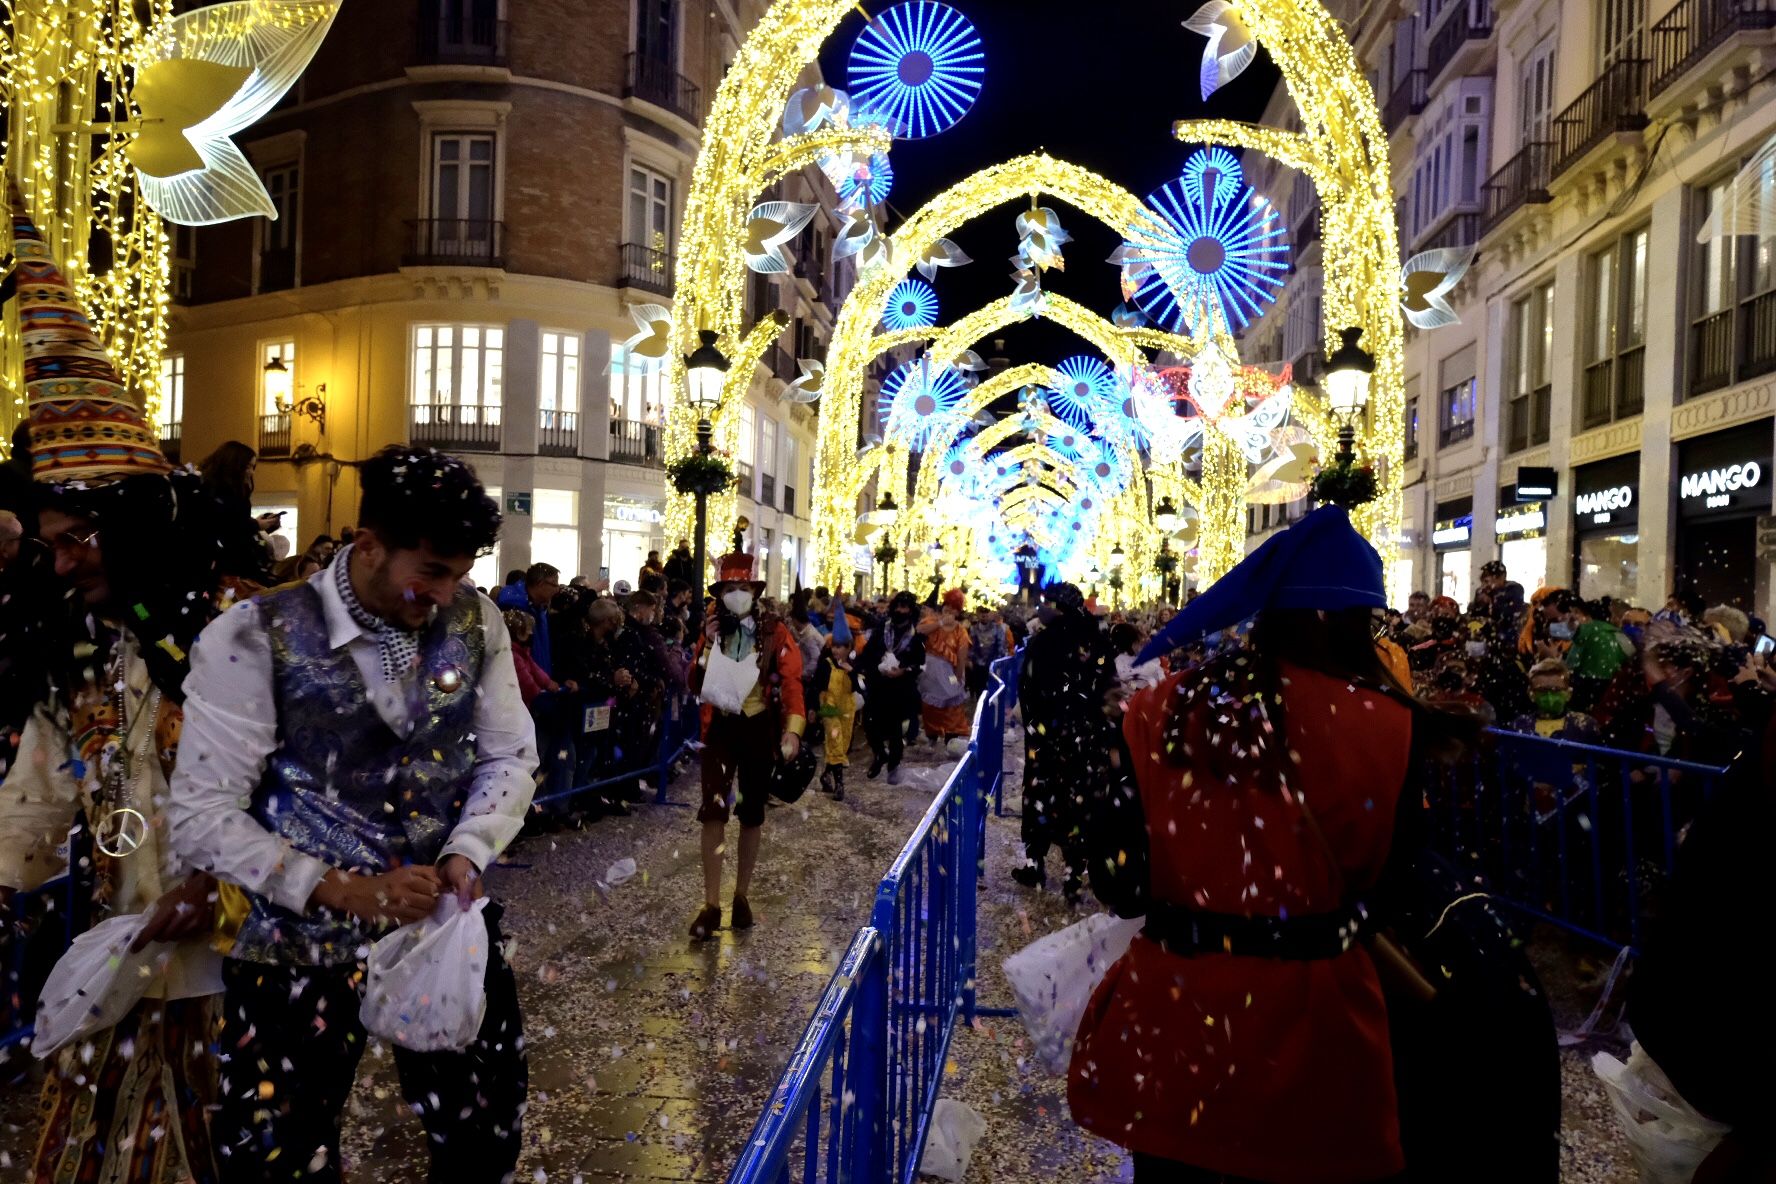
<point>1426,280</point>
<point>204,76</point>
<point>770,228</point>
<point>1231,47</point>
<point>806,388</point>
<point>646,351</point>
<point>942,253</point>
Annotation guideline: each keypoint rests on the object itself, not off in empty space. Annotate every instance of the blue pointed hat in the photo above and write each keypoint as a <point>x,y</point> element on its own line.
<point>1320,562</point>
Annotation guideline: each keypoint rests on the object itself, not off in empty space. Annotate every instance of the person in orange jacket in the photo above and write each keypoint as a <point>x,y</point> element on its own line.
<point>748,674</point>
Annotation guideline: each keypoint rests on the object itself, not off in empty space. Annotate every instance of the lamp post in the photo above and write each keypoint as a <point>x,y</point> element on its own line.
<point>706,372</point>
<point>887,513</point>
<point>1348,371</point>
<point>1165,516</point>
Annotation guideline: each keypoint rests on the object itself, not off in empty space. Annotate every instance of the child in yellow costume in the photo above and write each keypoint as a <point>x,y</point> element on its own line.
<point>837,685</point>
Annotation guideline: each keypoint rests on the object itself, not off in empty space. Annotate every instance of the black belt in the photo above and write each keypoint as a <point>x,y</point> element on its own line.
<point>1309,937</point>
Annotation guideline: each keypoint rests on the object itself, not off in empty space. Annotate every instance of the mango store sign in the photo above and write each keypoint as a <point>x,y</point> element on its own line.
<point>1717,486</point>
<point>1601,503</point>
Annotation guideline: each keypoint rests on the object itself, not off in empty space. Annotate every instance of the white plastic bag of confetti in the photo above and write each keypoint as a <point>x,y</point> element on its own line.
<point>1667,1137</point>
<point>1053,979</point>
<point>95,983</point>
<point>955,1129</point>
<point>426,983</point>
<point>623,869</point>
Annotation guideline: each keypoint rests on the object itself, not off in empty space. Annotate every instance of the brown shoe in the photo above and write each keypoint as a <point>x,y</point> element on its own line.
<point>740,915</point>
<point>708,921</point>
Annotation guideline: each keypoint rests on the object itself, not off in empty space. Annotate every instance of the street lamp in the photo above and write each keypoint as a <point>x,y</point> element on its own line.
<point>886,510</point>
<point>1348,371</point>
<point>1117,558</point>
<point>706,372</point>
<point>277,382</point>
<point>1165,516</point>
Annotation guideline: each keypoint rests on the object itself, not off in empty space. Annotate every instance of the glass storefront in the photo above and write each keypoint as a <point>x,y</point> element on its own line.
<point>1452,536</point>
<point>1522,532</point>
<point>1606,529</point>
<point>1724,483</point>
<point>632,527</point>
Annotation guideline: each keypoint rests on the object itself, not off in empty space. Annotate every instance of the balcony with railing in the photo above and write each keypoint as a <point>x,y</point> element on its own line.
<point>1529,419</point>
<point>1694,29</point>
<point>170,438</point>
<point>647,268</point>
<point>461,40</point>
<point>455,242</point>
<point>789,502</point>
<point>767,490</point>
<point>1457,230</point>
<point>1523,180</point>
<point>274,434</point>
<point>1463,25</point>
<point>454,427</point>
<point>1757,335</point>
<point>1408,99</point>
<point>1711,352</point>
<point>1455,432</point>
<point>1614,104</point>
<point>558,433</point>
<point>635,442</point>
<point>1613,388</point>
<point>743,469</point>
<point>656,82</point>
<point>1734,344</point>
<point>781,362</point>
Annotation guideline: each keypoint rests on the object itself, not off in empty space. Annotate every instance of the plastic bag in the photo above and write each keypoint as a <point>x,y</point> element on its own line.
<point>955,1129</point>
<point>938,684</point>
<point>1053,979</point>
<point>95,983</point>
<point>727,681</point>
<point>426,987</point>
<point>1666,1136</point>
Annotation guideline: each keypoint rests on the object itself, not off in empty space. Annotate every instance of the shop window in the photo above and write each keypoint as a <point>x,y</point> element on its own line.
<point>1733,330</point>
<point>486,571</point>
<point>1455,412</point>
<point>1530,374</point>
<point>555,530</point>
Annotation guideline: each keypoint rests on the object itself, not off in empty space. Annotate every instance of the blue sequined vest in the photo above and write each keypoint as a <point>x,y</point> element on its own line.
<point>342,785</point>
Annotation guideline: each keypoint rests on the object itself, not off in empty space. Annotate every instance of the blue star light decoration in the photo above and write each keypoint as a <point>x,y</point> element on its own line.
<point>916,400</point>
<point>1086,387</point>
<point>1214,254</point>
<point>919,66</point>
<point>912,305</point>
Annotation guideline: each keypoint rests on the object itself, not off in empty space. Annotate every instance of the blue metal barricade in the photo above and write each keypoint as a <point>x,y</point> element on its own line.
<point>680,724</point>
<point>876,1047</point>
<point>1572,834</point>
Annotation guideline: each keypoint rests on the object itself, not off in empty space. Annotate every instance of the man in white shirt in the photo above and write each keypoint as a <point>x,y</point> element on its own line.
<point>356,748</point>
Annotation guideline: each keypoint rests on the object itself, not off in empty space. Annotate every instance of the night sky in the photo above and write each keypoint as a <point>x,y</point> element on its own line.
<point>1098,84</point>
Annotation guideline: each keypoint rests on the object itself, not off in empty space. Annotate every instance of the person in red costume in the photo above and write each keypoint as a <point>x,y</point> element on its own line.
<point>748,674</point>
<point>1244,1037</point>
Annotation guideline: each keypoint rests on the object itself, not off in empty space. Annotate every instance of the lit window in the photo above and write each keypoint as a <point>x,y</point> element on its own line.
<point>172,396</point>
<point>459,367</point>
<point>555,530</point>
<point>634,393</point>
<point>558,392</point>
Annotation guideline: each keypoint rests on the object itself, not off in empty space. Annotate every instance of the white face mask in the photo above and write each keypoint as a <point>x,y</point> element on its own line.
<point>738,602</point>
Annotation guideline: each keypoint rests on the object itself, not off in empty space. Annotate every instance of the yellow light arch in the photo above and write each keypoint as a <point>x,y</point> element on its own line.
<point>1342,149</point>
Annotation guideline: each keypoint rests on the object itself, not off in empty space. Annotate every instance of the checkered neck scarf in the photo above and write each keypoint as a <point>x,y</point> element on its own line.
<point>399,648</point>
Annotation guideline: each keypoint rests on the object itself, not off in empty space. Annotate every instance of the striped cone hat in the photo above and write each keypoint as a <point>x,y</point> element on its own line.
<point>85,428</point>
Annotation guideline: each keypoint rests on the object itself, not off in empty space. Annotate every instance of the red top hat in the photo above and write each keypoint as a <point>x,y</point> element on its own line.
<point>736,568</point>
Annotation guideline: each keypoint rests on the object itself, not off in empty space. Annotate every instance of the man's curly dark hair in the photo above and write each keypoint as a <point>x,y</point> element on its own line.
<point>415,496</point>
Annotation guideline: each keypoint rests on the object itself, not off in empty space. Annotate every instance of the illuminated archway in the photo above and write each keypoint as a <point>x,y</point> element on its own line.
<point>1343,151</point>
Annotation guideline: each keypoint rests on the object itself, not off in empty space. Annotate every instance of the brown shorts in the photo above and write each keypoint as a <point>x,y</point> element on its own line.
<point>738,744</point>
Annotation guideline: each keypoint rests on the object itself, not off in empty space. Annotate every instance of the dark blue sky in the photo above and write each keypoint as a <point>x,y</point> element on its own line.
<point>1099,84</point>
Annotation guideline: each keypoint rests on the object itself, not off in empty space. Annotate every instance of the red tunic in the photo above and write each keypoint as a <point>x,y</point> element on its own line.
<point>1256,1067</point>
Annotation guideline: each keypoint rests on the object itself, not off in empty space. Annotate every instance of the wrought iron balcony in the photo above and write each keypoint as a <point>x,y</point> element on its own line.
<point>467,427</point>
<point>455,242</point>
<point>1522,181</point>
<point>767,490</point>
<point>656,82</point>
<point>647,268</point>
<point>274,434</point>
<point>558,433</point>
<point>1408,99</point>
<point>1616,102</point>
<point>635,442</point>
<point>170,437</point>
<point>1460,27</point>
<point>1459,230</point>
<point>789,499</point>
<point>1695,28</point>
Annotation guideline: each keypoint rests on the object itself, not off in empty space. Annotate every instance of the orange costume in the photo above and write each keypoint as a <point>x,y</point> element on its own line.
<point>944,707</point>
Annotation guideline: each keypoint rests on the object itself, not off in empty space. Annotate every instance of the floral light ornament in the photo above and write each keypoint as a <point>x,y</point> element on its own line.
<point>814,107</point>
<point>770,228</point>
<point>647,351</point>
<point>203,77</point>
<point>942,253</point>
<point>1087,387</point>
<point>912,305</point>
<point>1426,280</point>
<point>919,66</point>
<point>1040,238</point>
<point>860,235</point>
<point>1231,46</point>
<point>917,399</point>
